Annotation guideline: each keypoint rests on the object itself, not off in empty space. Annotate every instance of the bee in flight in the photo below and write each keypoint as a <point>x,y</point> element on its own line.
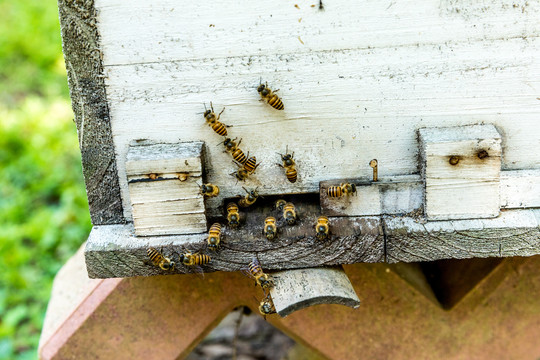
<point>214,236</point>
<point>266,306</point>
<point>289,165</point>
<point>255,271</point>
<point>343,189</point>
<point>213,120</point>
<point>270,228</point>
<point>271,98</point>
<point>196,259</point>
<point>247,169</point>
<point>249,199</point>
<point>209,190</point>
<point>322,228</point>
<point>159,260</point>
<point>280,204</point>
<point>289,213</point>
<point>233,215</point>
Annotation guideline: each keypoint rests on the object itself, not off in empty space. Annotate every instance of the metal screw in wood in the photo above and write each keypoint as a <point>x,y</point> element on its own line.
<point>373,164</point>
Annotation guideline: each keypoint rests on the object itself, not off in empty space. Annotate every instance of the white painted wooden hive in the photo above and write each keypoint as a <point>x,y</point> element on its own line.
<point>417,86</point>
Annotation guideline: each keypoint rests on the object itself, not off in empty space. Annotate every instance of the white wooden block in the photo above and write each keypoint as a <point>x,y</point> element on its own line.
<point>520,189</point>
<point>164,181</point>
<point>461,168</point>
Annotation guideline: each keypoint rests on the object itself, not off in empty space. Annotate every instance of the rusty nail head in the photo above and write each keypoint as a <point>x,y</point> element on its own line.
<point>152,176</point>
<point>482,154</point>
<point>373,163</point>
<point>454,160</point>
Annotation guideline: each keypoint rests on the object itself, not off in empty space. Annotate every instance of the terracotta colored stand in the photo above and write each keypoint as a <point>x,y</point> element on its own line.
<point>164,317</point>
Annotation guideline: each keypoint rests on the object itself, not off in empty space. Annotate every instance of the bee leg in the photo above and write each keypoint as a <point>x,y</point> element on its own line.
<point>220,113</point>
<point>279,165</point>
<point>276,90</point>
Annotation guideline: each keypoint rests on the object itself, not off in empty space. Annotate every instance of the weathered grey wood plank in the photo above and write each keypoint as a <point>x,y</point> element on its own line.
<point>81,42</point>
<point>513,233</point>
<point>114,251</point>
<point>301,288</point>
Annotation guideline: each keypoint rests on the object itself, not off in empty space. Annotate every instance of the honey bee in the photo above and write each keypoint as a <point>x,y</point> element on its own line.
<point>266,306</point>
<point>249,199</point>
<point>280,204</point>
<point>289,213</point>
<point>209,190</point>
<point>289,165</point>
<point>213,120</point>
<point>196,259</point>
<point>249,168</point>
<point>233,215</point>
<point>343,189</point>
<point>255,271</point>
<point>214,236</point>
<point>271,98</point>
<point>159,260</point>
<point>270,228</point>
<point>322,228</point>
<point>231,145</point>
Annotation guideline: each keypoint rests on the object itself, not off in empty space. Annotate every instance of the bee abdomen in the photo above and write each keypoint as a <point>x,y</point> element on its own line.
<point>154,255</point>
<point>292,175</point>
<point>219,128</point>
<point>276,103</point>
<point>201,259</point>
<point>215,228</point>
<point>239,156</point>
<point>251,164</point>
<point>335,191</point>
<point>232,207</point>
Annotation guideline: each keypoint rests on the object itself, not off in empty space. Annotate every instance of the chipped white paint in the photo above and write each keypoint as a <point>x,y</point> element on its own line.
<point>461,168</point>
<point>364,78</point>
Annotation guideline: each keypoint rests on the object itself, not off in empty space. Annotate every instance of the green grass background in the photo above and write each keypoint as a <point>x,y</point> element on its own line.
<point>44,214</point>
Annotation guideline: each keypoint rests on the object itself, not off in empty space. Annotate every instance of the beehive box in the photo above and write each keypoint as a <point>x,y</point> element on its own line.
<point>444,94</point>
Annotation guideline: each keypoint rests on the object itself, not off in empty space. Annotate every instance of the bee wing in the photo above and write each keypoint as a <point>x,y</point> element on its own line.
<point>196,270</point>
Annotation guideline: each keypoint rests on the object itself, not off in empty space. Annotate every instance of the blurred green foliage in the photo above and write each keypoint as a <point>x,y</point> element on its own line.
<point>43,208</point>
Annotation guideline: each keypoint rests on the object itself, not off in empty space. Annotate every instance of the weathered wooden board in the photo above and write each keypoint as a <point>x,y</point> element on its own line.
<point>351,80</point>
<point>520,189</point>
<point>513,233</point>
<point>114,251</point>
<point>461,169</point>
<point>298,289</point>
<point>391,195</point>
<point>164,188</point>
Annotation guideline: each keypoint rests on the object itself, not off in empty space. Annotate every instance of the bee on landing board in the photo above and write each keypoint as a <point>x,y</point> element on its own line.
<point>255,271</point>
<point>209,190</point>
<point>322,228</point>
<point>270,228</point>
<point>214,236</point>
<point>343,189</point>
<point>271,98</point>
<point>196,259</point>
<point>159,260</point>
<point>213,120</point>
<point>289,165</point>
<point>233,215</point>
<point>249,199</point>
<point>280,204</point>
<point>289,213</point>
<point>266,306</point>
<point>245,171</point>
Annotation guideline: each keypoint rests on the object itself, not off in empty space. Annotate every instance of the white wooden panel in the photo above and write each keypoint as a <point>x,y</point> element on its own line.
<point>468,188</point>
<point>520,189</point>
<point>366,78</point>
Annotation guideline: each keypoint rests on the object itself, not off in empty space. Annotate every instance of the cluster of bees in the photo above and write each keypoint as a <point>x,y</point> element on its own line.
<point>246,167</point>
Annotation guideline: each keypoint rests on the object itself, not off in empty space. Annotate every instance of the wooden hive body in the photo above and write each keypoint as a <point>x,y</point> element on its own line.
<point>358,81</point>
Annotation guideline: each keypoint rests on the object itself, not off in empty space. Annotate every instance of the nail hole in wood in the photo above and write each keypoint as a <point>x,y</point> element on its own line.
<point>454,160</point>
<point>482,154</point>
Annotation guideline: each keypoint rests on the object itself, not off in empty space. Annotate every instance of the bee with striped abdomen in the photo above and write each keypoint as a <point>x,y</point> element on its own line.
<point>245,171</point>
<point>233,215</point>
<point>255,271</point>
<point>342,189</point>
<point>289,213</point>
<point>158,259</point>
<point>348,188</point>
<point>280,204</point>
<point>214,236</point>
<point>289,165</point>
<point>196,259</point>
<point>213,121</point>
<point>271,98</point>
<point>322,228</point>
<point>266,306</point>
<point>270,228</point>
<point>249,199</point>
<point>231,145</point>
<point>209,190</point>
